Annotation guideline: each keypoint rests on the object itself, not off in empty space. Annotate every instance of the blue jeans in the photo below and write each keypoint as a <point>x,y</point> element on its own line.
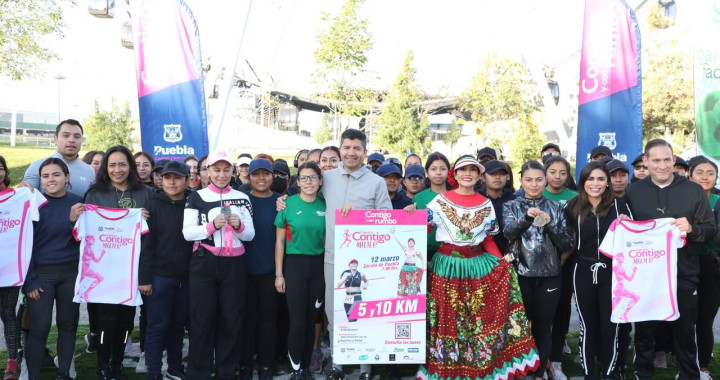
<point>167,316</point>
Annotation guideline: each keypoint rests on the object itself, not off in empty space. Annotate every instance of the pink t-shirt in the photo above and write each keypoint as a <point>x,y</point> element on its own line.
<point>18,210</point>
<point>644,283</point>
<point>109,255</point>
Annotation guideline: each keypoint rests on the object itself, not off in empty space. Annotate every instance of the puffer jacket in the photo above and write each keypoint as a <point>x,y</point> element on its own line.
<point>536,250</point>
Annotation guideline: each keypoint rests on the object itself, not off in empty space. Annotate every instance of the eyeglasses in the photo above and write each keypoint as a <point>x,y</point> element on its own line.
<point>550,153</point>
<point>310,178</point>
<point>414,179</point>
<point>280,175</point>
<point>640,167</point>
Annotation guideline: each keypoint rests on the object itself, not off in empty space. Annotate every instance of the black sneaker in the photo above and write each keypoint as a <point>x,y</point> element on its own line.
<point>296,375</point>
<point>335,374</point>
<point>63,376</point>
<point>364,376</point>
<point>305,374</point>
<point>265,373</point>
<point>104,374</point>
<point>118,373</point>
<point>91,345</point>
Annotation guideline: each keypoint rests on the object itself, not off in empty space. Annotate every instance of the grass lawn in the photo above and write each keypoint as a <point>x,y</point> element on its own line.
<point>85,364</point>
<point>18,158</point>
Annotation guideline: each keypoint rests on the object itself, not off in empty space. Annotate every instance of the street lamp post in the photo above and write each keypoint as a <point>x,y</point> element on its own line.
<point>59,78</point>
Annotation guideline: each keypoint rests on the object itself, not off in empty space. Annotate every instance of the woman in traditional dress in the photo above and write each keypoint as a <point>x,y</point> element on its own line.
<point>477,323</point>
<point>411,273</point>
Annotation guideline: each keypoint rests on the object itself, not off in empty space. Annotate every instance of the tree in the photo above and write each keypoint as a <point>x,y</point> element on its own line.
<point>656,17</point>
<point>453,134</point>
<point>25,25</point>
<point>403,128</point>
<point>527,141</point>
<point>341,56</point>
<point>323,133</point>
<point>502,90</point>
<point>105,129</point>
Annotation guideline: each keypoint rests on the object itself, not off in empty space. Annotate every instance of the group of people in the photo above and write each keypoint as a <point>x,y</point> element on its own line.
<point>240,255</point>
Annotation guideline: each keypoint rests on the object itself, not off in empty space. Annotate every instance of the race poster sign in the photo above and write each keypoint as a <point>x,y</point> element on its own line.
<point>380,287</point>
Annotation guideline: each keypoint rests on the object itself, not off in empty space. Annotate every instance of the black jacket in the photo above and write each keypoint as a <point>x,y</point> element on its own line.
<point>681,198</point>
<point>506,196</point>
<point>536,249</point>
<point>590,234</point>
<point>169,252</point>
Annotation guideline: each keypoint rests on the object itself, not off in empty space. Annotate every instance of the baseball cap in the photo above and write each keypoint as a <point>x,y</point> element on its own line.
<point>487,151</point>
<point>414,170</point>
<point>387,169</point>
<point>600,149</point>
<point>614,165</point>
<point>159,164</point>
<point>260,163</point>
<point>175,167</point>
<point>494,166</point>
<point>281,166</point>
<point>218,155</point>
<point>376,157</point>
<point>604,159</point>
<point>467,160</point>
<point>243,161</point>
<point>679,161</point>
<point>637,159</point>
<point>550,145</point>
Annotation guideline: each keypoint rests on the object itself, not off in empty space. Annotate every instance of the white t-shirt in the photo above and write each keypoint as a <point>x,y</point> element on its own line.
<point>18,210</point>
<point>109,255</point>
<point>644,283</point>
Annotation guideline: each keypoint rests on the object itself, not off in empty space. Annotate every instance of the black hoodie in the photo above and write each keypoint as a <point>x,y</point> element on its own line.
<point>506,196</point>
<point>170,253</point>
<point>681,198</point>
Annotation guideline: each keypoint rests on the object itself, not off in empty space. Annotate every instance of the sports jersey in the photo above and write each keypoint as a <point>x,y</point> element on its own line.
<point>109,255</point>
<point>304,224</point>
<point>562,197</point>
<point>18,210</point>
<point>644,283</point>
<point>200,211</point>
<point>462,219</point>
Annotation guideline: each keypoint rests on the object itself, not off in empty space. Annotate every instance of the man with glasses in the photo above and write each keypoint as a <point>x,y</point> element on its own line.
<point>414,180</point>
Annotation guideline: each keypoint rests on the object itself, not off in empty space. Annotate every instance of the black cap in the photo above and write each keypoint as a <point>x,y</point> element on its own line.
<point>600,149</point>
<point>550,145</point>
<point>282,167</point>
<point>614,165</point>
<point>605,159</point>
<point>487,151</point>
<point>159,164</point>
<point>637,159</point>
<point>681,162</point>
<point>494,166</point>
<point>175,167</point>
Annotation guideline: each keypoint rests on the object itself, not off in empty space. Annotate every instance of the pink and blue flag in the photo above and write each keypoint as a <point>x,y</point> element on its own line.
<point>173,119</point>
<point>610,97</point>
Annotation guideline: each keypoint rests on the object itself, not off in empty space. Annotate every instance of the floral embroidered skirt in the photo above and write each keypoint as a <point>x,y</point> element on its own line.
<point>477,327</point>
<point>409,281</point>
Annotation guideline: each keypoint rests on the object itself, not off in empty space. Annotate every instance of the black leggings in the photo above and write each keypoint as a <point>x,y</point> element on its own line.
<point>8,304</point>
<point>262,303</point>
<point>561,322</point>
<point>305,293</point>
<point>540,296</point>
<point>115,325</point>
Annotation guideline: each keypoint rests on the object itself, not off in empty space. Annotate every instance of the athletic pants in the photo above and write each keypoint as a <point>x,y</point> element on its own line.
<point>683,331</point>
<point>540,296</point>
<point>167,317</point>
<point>115,323</point>
<point>304,291</point>
<point>592,282</point>
<point>561,322</point>
<point>217,297</point>
<point>58,284</point>
<point>262,302</point>
<point>11,327</point>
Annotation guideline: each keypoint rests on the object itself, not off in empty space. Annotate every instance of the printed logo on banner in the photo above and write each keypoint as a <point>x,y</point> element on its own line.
<point>172,133</point>
<point>608,140</point>
<point>392,357</point>
<point>413,350</point>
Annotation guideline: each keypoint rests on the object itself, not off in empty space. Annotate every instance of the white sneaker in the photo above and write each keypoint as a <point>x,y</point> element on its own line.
<point>556,371</point>
<point>705,375</point>
<point>566,348</point>
<point>72,372</point>
<point>660,360</point>
<point>141,367</point>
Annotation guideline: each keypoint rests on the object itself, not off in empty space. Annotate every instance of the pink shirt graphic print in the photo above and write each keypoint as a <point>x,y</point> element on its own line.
<point>18,210</point>
<point>109,255</point>
<point>644,283</point>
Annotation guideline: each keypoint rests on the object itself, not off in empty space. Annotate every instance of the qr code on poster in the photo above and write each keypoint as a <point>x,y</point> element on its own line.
<point>402,331</point>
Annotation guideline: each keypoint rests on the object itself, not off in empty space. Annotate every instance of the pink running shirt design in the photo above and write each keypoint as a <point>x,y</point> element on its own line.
<point>18,210</point>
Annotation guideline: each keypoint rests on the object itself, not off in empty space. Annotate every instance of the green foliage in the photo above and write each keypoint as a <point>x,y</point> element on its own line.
<point>25,25</point>
<point>453,134</point>
<point>668,97</point>
<point>527,141</point>
<point>323,133</point>
<point>502,90</point>
<point>404,129</point>
<point>105,129</point>
<point>656,17</point>
<point>341,56</point>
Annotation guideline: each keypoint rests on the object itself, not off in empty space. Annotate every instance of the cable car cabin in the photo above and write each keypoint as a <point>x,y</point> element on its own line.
<point>126,35</point>
<point>102,8</point>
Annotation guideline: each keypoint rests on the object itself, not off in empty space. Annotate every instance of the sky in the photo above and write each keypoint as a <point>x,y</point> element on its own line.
<point>449,39</point>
